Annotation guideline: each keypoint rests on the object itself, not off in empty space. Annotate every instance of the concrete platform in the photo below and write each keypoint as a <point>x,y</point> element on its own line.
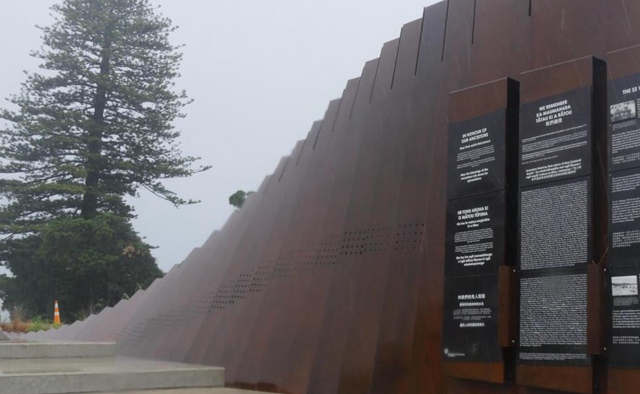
<point>217,390</point>
<point>28,350</point>
<point>110,374</point>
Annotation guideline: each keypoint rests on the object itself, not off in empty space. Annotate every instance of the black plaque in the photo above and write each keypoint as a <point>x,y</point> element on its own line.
<point>624,345</point>
<point>553,319</point>
<point>555,225</point>
<point>624,218</point>
<point>475,235</point>
<point>476,157</point>
<point>471,320</point>
<point>555,137</point>
<point>624,127</point>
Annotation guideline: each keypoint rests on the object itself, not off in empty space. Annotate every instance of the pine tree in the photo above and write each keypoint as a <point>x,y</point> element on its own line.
<point>96,125</point>
<point>93,127</point>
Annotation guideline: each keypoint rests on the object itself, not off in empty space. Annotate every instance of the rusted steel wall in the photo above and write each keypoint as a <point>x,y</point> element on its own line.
<point>330,278</point>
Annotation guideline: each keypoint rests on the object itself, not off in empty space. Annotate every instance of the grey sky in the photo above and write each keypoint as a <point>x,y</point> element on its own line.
<point>260,73</point>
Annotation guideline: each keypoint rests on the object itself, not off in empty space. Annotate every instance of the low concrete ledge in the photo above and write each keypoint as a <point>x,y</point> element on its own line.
<point>214,390</point>
<point>102,375</point>
<point>19,350</point>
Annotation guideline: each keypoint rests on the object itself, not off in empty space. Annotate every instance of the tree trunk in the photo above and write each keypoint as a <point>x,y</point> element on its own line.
<point>93,164</point>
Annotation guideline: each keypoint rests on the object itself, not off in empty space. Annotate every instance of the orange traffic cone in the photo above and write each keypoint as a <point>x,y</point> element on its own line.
<point>56,314</point>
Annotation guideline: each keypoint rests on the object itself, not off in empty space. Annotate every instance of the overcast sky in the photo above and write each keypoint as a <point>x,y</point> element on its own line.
<point>260,73</point>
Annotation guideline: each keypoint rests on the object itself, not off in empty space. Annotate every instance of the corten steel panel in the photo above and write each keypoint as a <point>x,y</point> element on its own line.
<point>405,68</point>
<point>206,288</point>
<point>250,255</point>
<point>93,328</point>
<point>381,178</point>
<point>378,321</point>
<point>182,305</point>
<point>171,309</point>
<point>235,335</point>
<point>150,314</point>
<point>238,331</point>
<point>478,100</point>
<point>326,361</point>
<point>313,267</point>
<point>458,41</point>
<point>426,354</point>
<point>207,292</point>
<point>317,260</point>
<point>307,214</point>
<point>619,18</point>
<point>216,325</point>
<point>248,321</point>
<point>395,336</point>
<point>504,54</point>
<point>386,68</point>
<point>300,262</point>
<point>305,341</point>
<point>204,284</point>
<point>258,320</point>
<point>131,332</point>
<point>563,30</point>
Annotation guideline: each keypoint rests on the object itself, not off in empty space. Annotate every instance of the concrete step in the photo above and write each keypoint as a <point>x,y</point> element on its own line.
<point>91,375</point>
<point>24,350</point>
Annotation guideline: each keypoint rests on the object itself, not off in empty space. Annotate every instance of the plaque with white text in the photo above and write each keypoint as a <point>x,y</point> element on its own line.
<point>476,157</point>
<point>624,218</point>
<point>624,345</point>
<point>555,225</point>
<point>624,126</point>
<point>553,319</point>
<point>555,137</point>
<point>475,235</point>
<point>471,320</point>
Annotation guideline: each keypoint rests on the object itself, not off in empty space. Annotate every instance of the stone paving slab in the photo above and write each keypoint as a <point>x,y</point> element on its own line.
<point>29,350</point>
<point>215,390</point>
<point>79,375</point>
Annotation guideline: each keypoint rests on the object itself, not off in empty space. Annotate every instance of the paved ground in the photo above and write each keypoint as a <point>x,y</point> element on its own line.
<point>89,365</point>
<point>221,390</point>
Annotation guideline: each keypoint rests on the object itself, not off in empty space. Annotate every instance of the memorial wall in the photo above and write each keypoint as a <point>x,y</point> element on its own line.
<point>465,219</point>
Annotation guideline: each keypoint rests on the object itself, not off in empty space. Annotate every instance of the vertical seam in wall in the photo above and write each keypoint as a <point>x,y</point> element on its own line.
<point>318,135</point>
<point>375,78</point>
<point>424,20</point>
<point>335,120</point>
<point>267,185</point>
<point>284,168</point>
<point>301,150</point>
<point>353,104</point>
<point>444,36</point>
<point>395,64</point>
<point>530,6</point>
<point>473,26</point>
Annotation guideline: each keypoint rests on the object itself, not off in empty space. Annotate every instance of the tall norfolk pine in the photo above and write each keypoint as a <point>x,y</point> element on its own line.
<point>96,125</point>
<point>92,127</point>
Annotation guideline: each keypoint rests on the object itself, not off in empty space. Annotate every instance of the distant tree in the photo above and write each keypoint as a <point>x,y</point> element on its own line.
<point>237,199</point>
<point>95,126</point>
<point>84,264</point>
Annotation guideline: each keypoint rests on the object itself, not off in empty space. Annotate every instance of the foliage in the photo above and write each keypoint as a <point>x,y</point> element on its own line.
<point>238,198</point>
<point>86,264</point>
<point>17,325</point>
<point>92,128</point>
<point>96,126</point>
